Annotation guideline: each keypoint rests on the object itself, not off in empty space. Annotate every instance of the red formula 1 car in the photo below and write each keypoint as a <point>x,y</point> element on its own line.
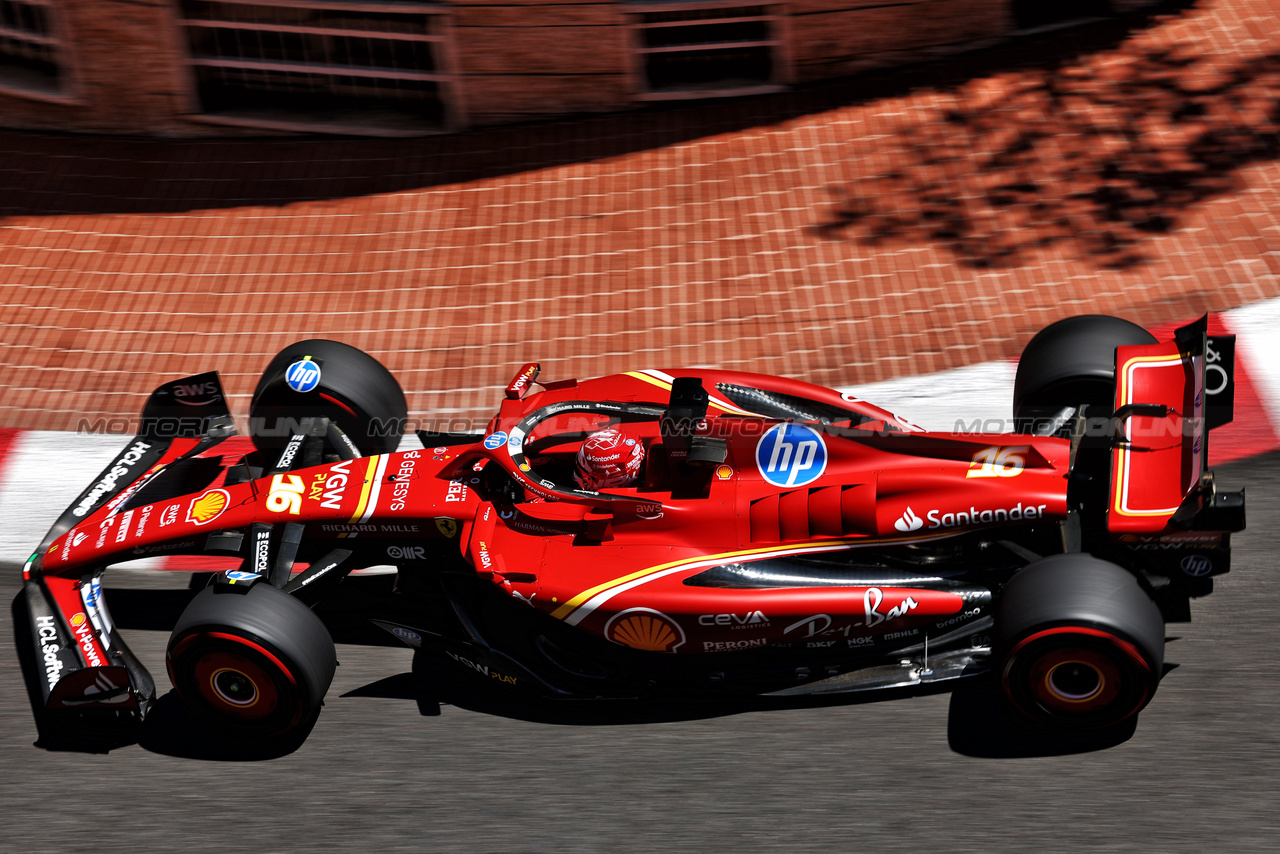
<point>781,538</point>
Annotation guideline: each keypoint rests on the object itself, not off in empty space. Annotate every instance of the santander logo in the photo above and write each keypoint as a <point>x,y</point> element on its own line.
<point>909,522</point>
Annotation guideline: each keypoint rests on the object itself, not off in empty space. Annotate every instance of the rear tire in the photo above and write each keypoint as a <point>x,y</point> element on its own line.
<point>1068,363</point>
<point>354,390</point>
<point>256,664</point>
<point>1081,644</point>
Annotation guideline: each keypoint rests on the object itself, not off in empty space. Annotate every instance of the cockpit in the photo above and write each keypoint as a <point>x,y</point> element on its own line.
<point>682,445</point>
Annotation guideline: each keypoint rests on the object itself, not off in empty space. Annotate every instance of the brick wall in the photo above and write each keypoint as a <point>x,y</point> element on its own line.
<point>834,38</point>
<point>513,60</point>
<point>124,73</point>
<point>523,60</point>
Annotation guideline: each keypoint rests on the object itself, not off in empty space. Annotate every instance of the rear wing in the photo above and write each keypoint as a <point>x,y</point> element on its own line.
<point>1168,397</point>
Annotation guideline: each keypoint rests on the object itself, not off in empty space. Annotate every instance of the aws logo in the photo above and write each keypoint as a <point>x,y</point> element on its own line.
<point>197,394</point>
<point>649,511</point>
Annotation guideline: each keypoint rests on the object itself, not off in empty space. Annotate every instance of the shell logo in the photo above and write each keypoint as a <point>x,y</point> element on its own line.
<point>646,629</point>
<point>724,472</point>
<point>78,620</point>
<point>208,506</point>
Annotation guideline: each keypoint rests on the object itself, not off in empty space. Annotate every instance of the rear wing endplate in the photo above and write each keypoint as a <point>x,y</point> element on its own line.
<point>1168,396</point>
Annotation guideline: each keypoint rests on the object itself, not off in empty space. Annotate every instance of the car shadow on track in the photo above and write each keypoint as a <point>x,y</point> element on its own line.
<point>486,701</point>
<point>169,730</point>
<point>979,723</point>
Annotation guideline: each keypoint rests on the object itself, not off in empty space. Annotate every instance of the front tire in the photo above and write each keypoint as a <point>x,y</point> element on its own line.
<point>1081,644</point>
<point>351,388</point>
<point>254,664</point>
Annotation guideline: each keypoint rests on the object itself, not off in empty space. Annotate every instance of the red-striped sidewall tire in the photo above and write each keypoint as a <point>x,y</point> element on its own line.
<point>1080,643</point>
<point>254,664</point>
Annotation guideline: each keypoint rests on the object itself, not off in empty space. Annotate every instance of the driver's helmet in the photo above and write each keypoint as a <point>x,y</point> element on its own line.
<point>608,458</point>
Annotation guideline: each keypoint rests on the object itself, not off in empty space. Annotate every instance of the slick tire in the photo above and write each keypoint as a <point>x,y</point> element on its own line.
<point>353,389</point>
<point>1080,644</point>
<point>253,664</point>
<point>1068,363</point>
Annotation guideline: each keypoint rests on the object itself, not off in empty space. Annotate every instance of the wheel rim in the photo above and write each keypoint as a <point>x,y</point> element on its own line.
<point>237,682</point>
<point>1075,680</point>
<point>236,685</point>
<point>1077,676</point>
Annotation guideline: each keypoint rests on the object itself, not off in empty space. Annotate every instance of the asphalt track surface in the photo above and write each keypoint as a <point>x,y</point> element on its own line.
<point>387,768</point>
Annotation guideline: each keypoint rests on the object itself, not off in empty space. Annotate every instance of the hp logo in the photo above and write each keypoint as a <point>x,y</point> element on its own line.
<point>303,375</point>
<point>1196,565</point>
<point>791,455</point>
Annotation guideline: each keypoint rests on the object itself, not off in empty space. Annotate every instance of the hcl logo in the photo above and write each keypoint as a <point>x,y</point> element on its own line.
<point>791,455</point>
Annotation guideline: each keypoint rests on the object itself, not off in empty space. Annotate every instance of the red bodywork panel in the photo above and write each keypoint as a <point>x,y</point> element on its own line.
<point>615,563</point>
<point>402,494</point>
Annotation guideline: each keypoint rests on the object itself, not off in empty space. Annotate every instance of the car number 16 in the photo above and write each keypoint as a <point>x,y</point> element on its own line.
<point>998,462</point>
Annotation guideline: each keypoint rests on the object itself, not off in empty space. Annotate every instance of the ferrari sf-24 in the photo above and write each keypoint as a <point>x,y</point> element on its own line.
<point>778,538</point>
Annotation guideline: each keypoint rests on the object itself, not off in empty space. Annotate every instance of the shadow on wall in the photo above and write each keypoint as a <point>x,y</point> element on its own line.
<point>1100,161</point>
<point>1028,14</point>
<point>45,174</point>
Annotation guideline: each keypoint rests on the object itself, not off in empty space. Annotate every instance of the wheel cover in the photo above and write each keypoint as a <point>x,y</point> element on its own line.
<point>1075,680</point>
<point>236,680</point>
<point>236,685</point>
<point>1077,674</point>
